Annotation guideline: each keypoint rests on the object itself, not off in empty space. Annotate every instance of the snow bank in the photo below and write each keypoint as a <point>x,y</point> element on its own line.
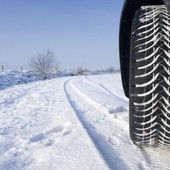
<point>13,77</point>
<point>70,123</point>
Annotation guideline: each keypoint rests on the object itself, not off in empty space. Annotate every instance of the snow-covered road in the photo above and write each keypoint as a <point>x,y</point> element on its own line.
<point>71,123</point>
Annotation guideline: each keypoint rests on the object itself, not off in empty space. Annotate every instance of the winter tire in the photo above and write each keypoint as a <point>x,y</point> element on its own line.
<point>149,85</point>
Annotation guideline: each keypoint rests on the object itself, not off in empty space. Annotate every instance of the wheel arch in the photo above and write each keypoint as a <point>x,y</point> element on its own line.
<point>128,12</point>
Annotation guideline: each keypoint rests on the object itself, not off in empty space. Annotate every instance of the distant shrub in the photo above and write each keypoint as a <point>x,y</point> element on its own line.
<point>43,63</point>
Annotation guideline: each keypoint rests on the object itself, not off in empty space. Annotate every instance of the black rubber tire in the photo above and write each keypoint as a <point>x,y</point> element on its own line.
<point>149,85</point>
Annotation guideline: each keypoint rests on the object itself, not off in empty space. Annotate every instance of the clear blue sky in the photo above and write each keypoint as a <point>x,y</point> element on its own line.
<point>79,32</point>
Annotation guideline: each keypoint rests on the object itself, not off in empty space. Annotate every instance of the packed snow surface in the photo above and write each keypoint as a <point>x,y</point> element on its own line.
<point>71,123</point>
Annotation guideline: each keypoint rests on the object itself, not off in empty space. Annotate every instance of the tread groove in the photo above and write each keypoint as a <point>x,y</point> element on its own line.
<point>150,77</point>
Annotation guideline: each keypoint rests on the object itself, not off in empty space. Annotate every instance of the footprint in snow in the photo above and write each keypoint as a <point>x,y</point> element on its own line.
<point>38,137</point>
<point>61,130</point>
<point>116,111</point>
<point>114,141</point>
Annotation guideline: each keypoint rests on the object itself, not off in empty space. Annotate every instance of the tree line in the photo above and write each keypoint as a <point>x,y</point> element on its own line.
<point>44,63</point>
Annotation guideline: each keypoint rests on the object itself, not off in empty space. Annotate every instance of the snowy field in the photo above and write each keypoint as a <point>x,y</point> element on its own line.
<point>71,123</point>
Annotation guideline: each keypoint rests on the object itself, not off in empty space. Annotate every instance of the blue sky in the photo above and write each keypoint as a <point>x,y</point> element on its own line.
<point>79,32</point>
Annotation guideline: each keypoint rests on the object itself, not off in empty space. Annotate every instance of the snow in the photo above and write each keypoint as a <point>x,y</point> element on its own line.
<point>13,77</point>
<point>70,123</point>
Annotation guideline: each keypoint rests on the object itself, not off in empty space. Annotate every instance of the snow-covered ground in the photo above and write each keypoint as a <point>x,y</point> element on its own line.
<point>13,77</point>
<point>71,123</point>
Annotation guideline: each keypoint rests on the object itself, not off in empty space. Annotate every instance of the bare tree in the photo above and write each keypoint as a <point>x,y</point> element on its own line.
<point>57,70</point>
<point>110,70</point>
<point>80,71</point>
<point>22,68</point>
<point>43,63</point>
<point>2,67</point>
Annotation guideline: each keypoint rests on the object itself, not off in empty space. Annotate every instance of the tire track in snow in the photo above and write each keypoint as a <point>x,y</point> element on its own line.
<point>92,102</point>
<point>156,159</point>
<point>105,149</point>
<point>103,87</point>
<point>113,105</point>
<point>115,146</point>
<point>97,105</point>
